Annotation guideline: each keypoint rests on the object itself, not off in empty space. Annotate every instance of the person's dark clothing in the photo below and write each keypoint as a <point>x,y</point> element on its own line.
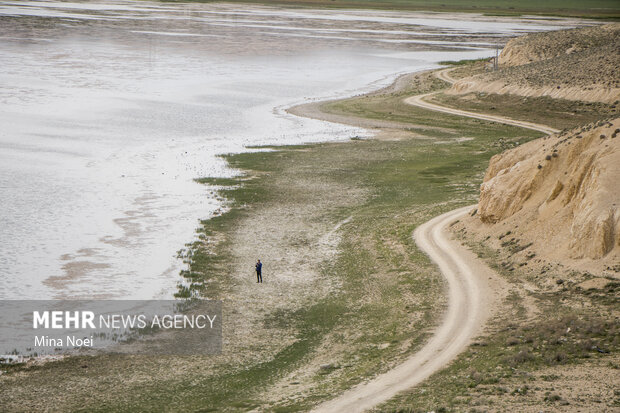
<point>259,275</point>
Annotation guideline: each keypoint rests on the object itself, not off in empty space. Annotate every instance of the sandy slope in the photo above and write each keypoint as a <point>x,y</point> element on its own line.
<point>560,195</point>
<point>420,102</point>
<point>577,64</point>
<point>469,304</point>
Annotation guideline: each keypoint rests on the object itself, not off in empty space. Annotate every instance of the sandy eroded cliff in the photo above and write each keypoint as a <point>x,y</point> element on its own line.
<point>561,192</point>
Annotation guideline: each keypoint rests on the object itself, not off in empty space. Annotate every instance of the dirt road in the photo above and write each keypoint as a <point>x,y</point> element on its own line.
<point>469,302</point>
<point>445,75</point>
<point>420,101</point>
<point>468,281</point>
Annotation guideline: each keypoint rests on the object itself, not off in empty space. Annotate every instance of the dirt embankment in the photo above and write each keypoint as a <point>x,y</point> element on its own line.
<point>577,64</point>
<point>561,194</point>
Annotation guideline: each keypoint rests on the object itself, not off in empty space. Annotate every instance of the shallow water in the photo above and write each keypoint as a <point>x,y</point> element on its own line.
<point>109,110</point>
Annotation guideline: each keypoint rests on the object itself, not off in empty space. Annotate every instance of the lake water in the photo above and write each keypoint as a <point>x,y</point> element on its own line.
<point>109,110</point>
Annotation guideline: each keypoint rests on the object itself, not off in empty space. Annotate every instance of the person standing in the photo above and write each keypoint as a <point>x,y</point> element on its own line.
<point>259,271</point>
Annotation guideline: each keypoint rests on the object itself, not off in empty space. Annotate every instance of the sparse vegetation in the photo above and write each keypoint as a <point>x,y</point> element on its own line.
<point>389,294</point>
<point>465,62</point>
<point>517,356</point>
<point>557,113</point>
<point>577,65</point>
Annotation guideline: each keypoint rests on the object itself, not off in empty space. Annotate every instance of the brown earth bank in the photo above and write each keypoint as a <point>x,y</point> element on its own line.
<point>577,64</point>
<point>559,195</point>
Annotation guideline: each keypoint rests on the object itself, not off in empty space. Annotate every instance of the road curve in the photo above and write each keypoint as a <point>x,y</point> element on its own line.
<point>443,75</point>
<point>467,306</point>
<point>461,322</point>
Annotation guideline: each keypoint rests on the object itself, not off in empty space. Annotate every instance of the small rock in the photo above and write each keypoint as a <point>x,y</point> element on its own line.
<point>559,282</point>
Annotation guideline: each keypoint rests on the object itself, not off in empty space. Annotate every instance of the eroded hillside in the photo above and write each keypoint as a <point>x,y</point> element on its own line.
<point>577,64</point>
<point>560,195</point>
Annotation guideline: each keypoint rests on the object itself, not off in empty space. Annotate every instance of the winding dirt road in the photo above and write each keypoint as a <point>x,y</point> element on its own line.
<point>469,302</point>
<point>444,75</point>
<point>467,305</point>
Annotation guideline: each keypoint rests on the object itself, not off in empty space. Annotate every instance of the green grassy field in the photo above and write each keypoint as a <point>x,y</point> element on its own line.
<point>592,9</point>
